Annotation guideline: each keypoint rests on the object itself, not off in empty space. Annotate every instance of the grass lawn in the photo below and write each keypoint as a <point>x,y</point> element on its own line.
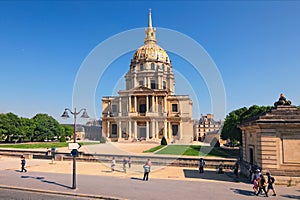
<point>41,145</point>
<point>154,149</point>
<point>197,150</point>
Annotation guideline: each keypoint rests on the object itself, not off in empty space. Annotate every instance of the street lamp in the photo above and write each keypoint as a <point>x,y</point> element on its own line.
<point>66,115</point>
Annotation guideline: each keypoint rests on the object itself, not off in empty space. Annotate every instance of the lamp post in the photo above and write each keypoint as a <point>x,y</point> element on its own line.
<point>66,115</point>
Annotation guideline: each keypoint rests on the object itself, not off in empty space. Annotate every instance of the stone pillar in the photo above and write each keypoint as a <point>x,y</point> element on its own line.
<point>165,130</point>
<point>147,130</point>
<point>165,104</point>
<point>120,129</point>
<point>135,129</point>
<point>156,130</point>
<point>158,83</point>
<point>135,104</point>
<point>134,80</point>
<point>129,129</point>
<point>129,104</point>
<point>153,108</point>
<point>120,106</point>
<point>153,129</point>
<point>169,130</point>
<point>108,126</point>
<point>156,104</point>
<point>147,103</point>
<point>145,82</point>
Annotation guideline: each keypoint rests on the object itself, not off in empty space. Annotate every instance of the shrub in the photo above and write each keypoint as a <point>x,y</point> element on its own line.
<point>102,140</point>
<point>163,141</point>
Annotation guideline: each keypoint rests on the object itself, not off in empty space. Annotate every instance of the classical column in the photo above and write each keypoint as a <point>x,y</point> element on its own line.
<point>129,104</point>
<point>169,130</point>
<point>135,103</point>
<point>147,130</point>
<point>120,129</point>
<point>156,104</point>
<point>135,129</point>
<point>156,130</point>
<point>120,106</point>
<point>129,129</point>
<point>165,129</point>
<point>152,130</point>
<point>107,131</point>
<point>165,104</point>
<point>147,103</point>
<point>180,130</point>
<point>134,80</point>
<point>152,108</point>
<point>145,82</point>
<point>158,82</point>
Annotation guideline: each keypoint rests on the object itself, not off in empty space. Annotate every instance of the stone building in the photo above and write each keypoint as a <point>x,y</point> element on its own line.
<point>272,141</point>
<point>148,108</point>
<point>206,125</point>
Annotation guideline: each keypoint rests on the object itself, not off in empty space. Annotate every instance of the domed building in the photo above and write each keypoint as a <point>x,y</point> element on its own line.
<point>148,108</point>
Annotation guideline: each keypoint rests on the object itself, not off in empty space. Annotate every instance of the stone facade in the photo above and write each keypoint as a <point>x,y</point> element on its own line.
<point>206,125</point>
<point>272,142</point>
<point>148,108</point>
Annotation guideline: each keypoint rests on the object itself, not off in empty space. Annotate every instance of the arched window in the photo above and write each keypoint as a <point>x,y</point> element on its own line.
<point>141,67</point>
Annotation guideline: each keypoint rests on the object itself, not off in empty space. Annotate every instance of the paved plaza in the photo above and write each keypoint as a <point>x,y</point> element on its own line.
<point>95,179</point>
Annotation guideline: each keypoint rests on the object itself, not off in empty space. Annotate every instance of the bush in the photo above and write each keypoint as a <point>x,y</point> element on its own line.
<point>163,141</point>
<point>215,143</point>
<point>102,140</point>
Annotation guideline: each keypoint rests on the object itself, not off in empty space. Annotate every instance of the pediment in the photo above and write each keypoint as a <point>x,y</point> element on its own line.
<point>140,89</point>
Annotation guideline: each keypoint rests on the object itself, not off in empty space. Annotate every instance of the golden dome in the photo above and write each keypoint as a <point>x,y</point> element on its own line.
<point>150,50</point>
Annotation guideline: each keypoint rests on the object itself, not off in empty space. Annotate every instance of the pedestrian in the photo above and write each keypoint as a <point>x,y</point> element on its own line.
<point>236,170</point>
<point>255,185</point>
<point>271,181</point>
<point>262,186</point>
<point>201,165</point>
<point>129,162</point>
<point>146,172</point>
<point>113,164</point>
<point>149,162</point>
<point>23,163</point>
<point>124,164</point>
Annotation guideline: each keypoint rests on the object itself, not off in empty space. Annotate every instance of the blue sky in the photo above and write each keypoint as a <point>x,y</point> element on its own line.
<point>255,45</point>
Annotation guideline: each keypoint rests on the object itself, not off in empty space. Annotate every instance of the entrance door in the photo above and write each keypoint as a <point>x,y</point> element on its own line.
<point>251,156</point>
<point>174,130</point>
<point>142,132</point>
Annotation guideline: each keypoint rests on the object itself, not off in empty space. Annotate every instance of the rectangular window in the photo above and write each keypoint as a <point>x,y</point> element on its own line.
<point>141,67</point>
<point>174,108</point>
<point>141,83</point>
<point>114,130</point>
<point>114,108</point>
<point>164,85</point>
<point>153,84</point>
<point>174,130</point>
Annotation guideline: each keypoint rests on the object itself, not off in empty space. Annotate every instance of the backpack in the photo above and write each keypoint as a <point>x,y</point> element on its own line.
<point>272,179</point>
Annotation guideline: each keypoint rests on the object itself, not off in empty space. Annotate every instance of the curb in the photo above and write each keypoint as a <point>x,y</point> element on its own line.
<point>60,193</point>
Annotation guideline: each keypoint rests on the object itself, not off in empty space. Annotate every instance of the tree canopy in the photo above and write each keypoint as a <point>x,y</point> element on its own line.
<point>41,127</point>
<point>233,119</point>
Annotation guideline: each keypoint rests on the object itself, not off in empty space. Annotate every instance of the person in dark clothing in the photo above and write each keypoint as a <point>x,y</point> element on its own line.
<point>146,172</point>
<point>201,166</point>
<point>23,163</point>
<point>262,185</point>
<point>271,181</point>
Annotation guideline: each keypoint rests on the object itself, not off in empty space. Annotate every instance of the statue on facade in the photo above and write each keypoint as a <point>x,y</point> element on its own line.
<point>282,101</point>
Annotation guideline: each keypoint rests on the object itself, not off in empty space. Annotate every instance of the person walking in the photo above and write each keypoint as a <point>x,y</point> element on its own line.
<point>146,172</point>
<point>124,164</point>
<point>262,186</point>
<point>23,163</point>
<point>113,164</point>
<point>271,181</point>
<point>129,162</point>
<point>201,165</point>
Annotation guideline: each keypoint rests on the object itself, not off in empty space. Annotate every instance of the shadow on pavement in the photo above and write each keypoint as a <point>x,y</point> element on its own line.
<point>137,179</point>
<point>209,175</point>
<point>291,196</point>
<point>45,181</point>
<point>243,192</point>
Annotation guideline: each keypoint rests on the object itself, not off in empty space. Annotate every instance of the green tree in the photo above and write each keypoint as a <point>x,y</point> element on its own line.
<point>9,127</point>
<point>27,127</point>
<point>46,128</point>
<point>233,119</point>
